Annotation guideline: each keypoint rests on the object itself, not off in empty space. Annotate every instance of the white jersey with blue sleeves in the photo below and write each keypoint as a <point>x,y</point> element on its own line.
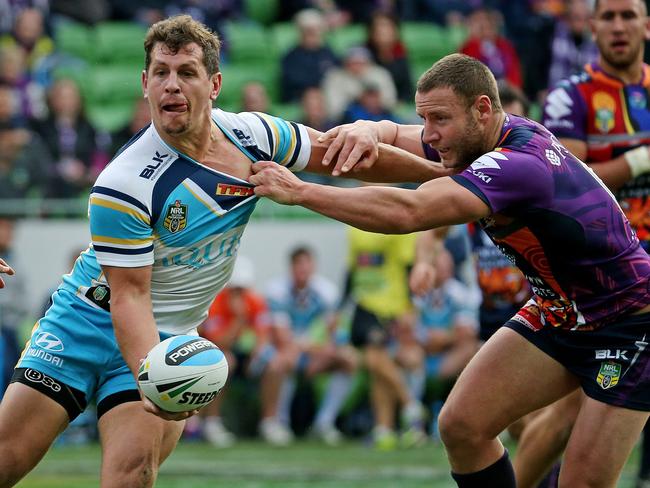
<point>155,206</point>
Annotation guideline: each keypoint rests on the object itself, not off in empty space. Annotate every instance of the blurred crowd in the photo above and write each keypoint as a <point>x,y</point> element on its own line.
<point>69,91</point>
<point>365,356</point>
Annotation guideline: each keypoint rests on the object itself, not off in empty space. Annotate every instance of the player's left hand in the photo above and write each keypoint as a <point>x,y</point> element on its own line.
<point>353,146</point>
<point>5,268</point>
<point>276,182</point>
<point>150,407</point>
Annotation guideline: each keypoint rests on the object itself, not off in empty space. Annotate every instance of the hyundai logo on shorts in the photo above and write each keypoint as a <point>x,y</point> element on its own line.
<point>49,341</point>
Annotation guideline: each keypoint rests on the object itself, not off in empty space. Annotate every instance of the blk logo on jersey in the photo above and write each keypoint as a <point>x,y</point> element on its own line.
<point>176,217</point>
<point>234,190</point>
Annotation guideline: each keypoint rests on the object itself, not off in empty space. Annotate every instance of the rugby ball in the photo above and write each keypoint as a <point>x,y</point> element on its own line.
<point>183,373</point>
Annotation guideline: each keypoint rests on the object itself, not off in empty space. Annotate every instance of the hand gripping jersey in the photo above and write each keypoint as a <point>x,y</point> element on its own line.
<point>155,206</point>
<point>555,220</point>
<point>611,117</point>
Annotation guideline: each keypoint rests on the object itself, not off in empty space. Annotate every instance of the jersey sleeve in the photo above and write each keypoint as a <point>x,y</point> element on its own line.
<point>120,227</point>
<point>508,180</point>
<point>286,143</point>
<point>565,113</point>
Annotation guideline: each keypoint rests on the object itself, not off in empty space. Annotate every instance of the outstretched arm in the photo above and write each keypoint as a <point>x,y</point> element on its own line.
<point>376,162</point>
<point>374,208</point>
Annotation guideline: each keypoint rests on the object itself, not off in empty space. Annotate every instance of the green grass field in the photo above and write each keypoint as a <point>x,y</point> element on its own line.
<point>252,464</point>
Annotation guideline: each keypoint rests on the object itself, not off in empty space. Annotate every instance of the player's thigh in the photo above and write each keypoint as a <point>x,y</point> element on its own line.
<point>602,439</point>
<point>131,437</point>
<point>508,378</point>
<point>29,423</point>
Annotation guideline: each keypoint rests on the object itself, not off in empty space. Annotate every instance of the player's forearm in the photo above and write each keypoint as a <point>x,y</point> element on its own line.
<point>397,165</point>
<point>134,327</point>
<point>614,173</point>
<point>375,209</point>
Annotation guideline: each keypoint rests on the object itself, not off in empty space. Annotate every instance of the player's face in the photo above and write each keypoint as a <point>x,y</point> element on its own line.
<point>178,88</point>
<point>450,127</point>
<point>620,28</point>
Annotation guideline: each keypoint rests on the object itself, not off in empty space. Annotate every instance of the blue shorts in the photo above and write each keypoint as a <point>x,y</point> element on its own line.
<point>612,363</point>
<point>73,357</point>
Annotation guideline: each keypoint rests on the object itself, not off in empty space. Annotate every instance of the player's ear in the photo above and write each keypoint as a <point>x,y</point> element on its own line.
<point>144,81</point>
<point>215,81</point>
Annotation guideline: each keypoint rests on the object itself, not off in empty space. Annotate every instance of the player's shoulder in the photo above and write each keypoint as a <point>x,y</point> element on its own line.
<point>137,166</point>
<point>324,287</point>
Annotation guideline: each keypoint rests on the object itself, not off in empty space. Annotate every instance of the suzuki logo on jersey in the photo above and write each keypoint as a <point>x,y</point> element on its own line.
<point>176,217</point>
<point>149,171</point>
<point>49,342</point>
<point>609,354</point>
<point>558,104</point>
<point>234,190</point>
<point>489,161</point>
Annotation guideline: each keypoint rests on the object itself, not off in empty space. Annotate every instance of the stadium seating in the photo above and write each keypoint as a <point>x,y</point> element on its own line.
<point>119,42</point>
<point>343,38</point>
<point>262,11</point>
<point>75,39</point>
<point>237,75</point>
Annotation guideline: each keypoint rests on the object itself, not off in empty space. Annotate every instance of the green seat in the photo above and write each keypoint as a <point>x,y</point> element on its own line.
<point>343,38</point>
<point>120,42</point>
<point>235,76</point>
<point>284,36</point>
<point>75,39</point>
<point>262,11</point>
<point>110,117</point>
<point>249,42</point>
<point>425,42</point>
<point>288,111</point>
<point>114,84</point>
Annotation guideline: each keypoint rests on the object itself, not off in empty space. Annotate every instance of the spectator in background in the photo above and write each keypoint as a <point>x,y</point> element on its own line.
<point>388,51</point>
<point>314,114</point>
<point>305,65</point>
<point>303,307</point>
<point>141,117</point>
<point>486,44</point>
<point>24,162</point>
<point>8,106</point>
<point>344,85</point>
<point>254,97</point>
<point>513,100</point>
<point>368,106</point>
<point>28,33</point>
<point>238,322</point>
<point>10,9</point>
<point>377,287</point>
<point>71,140</point>
<point>572,47</point>
<point>14,73</point>
<point>13,305</point>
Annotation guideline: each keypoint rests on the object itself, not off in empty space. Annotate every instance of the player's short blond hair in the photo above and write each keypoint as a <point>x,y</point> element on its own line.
<point>466,76</point>
<point>179,31</point>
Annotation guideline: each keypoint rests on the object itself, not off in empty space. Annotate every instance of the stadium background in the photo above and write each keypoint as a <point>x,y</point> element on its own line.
<point>98,44</point>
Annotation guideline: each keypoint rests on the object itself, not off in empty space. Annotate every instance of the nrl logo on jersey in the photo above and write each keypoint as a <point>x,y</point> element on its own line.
<point>609,374</point>
<point>176,217</point>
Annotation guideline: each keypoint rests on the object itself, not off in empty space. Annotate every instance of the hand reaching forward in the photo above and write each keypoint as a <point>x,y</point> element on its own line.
<point>5,268</point>
<point>276,182</point>
<point>352,146</point>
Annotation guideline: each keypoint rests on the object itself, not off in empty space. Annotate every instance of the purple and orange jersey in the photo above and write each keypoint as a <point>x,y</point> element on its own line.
<point>610,117</point>
<point>559,224</point>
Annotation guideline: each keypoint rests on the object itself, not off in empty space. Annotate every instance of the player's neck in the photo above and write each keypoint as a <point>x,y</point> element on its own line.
<point>494,132</point>
<point>195,144</point>
<point>629,75</point>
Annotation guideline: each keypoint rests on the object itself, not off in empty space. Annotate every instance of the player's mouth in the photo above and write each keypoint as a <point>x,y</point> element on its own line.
<point>619,45</point>
<point>175,107</point>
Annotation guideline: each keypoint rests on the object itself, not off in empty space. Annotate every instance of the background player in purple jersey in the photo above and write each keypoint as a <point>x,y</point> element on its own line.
<point>586,324</point>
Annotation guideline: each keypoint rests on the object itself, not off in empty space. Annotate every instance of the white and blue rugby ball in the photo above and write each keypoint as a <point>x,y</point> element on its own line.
<point>183,373</point>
